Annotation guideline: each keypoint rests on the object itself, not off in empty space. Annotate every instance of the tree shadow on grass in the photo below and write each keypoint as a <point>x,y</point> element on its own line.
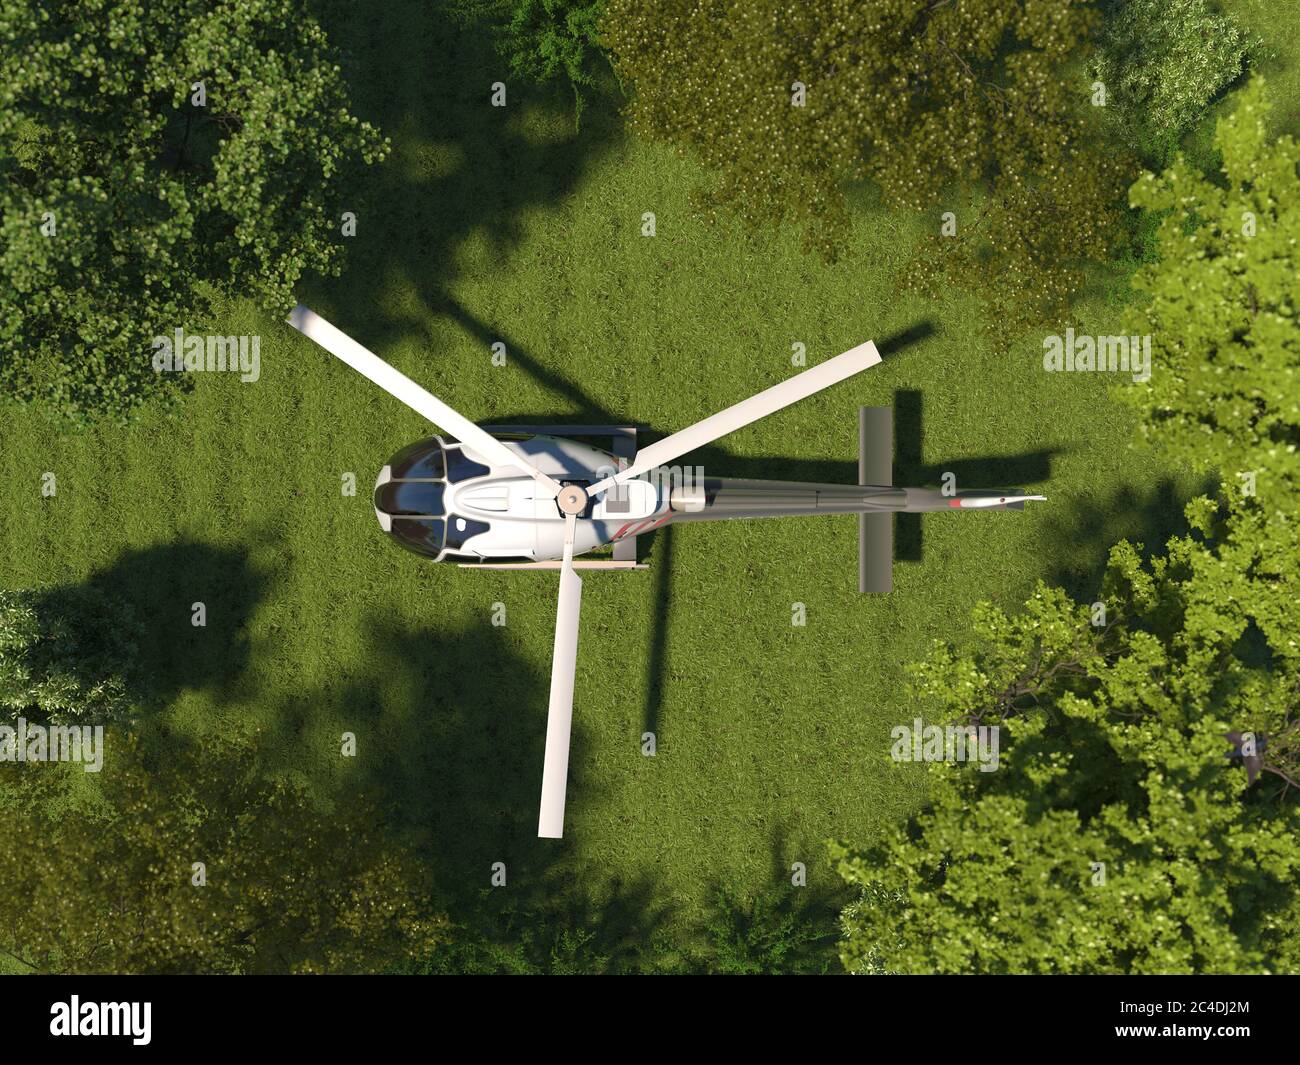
<point>458,166</point>
<point>783,927</point>
<point>450,729</point>
<point>1083,532</point>
<point>161,586</point>
<point>143,629</point>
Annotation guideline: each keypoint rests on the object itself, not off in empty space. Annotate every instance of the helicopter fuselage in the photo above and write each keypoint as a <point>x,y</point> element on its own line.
<point>441,499</point>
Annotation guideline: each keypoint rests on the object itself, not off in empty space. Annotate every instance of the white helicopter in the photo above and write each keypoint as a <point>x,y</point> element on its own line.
<point>536,500</point>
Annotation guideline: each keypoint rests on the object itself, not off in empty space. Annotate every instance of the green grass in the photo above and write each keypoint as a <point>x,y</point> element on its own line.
<point>1273,23</point>
<point>488,224</point>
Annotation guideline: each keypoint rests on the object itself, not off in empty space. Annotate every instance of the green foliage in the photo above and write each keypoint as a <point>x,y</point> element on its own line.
<point>1220,305</point>
<point>65,656</point>
<point>1113,752</point>
<point>1162,62</point>
<point>513,243</point>
<point>543,40</point>
<point>968,108</point>
<point>1118,733</point>
<point>108,886</point>
<point>767,934</point>
<point>537,947</point>
<point>154,201</point>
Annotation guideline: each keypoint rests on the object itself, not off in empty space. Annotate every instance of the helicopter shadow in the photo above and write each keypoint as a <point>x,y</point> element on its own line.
<point>993,470</point>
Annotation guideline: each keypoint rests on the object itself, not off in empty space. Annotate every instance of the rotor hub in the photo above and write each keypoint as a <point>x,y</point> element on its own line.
<point>571,500</point>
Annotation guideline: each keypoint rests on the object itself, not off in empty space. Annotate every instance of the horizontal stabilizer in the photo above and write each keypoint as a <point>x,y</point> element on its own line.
<point>875,531</point>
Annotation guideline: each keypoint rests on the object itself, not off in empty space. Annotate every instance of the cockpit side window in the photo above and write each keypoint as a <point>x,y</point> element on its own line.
<point>423,536</point>
<point>460,468</point>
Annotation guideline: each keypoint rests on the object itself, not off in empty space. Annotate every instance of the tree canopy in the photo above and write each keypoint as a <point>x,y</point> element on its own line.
<point>152,154</point>
<point>1161,62</point>
<point>1220,303</point>
<point>1118,835</point>
<point>1144,818</point>
<point>110,885</point>
<point>66,655</point>
<point>965,108</point>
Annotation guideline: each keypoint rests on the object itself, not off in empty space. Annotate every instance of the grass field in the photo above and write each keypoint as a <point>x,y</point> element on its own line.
<point>486,225</point>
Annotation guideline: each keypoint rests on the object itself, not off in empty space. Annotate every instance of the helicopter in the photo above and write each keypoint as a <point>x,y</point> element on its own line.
<point>531,497</point>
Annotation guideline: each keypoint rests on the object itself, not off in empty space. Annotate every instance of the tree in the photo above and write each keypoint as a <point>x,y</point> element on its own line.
<point>161,152</point>
<point>111,886</point>
<point>964,108</point>
<point>544,40</point>
<point>1220,305</point>
<point>66,655</point>
<point>1118,834</point>
<point>1161,62</point>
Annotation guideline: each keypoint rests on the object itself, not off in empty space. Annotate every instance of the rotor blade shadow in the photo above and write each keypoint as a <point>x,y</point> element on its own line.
<point>896,343</point>
<point>587,409</point>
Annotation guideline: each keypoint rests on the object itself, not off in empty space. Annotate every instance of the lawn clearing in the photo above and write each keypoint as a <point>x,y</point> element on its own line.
<point>489,225</point>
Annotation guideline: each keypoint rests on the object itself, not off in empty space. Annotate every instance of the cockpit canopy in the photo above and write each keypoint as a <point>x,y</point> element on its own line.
<point>413,497</point>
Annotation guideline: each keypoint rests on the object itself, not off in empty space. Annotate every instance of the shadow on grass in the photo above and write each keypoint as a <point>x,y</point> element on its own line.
<point>657,669</point>
<point>135,620</point>
<point>450,730</point>
<point>1003,470</point>
<point>1083,533</point>
<point>160,586</point>
<point>784,927</point>
<point>628,928</point>
<point>458,166</point>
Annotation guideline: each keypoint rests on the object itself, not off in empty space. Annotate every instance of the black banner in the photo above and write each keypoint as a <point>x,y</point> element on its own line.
<point>339,1014</point>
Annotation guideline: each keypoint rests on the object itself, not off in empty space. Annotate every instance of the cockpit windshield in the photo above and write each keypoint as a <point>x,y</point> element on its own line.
<point>421,461</point>
<point>460,468</point>
<point>412,499</point>
<point>424,536</point>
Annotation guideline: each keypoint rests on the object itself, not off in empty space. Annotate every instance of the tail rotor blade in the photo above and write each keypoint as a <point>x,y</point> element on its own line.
<point>559,715</point>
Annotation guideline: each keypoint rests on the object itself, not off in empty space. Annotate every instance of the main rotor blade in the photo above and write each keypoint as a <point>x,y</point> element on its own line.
<point>801,386</point>
<point>402,388</point>
<point>559,716</point>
